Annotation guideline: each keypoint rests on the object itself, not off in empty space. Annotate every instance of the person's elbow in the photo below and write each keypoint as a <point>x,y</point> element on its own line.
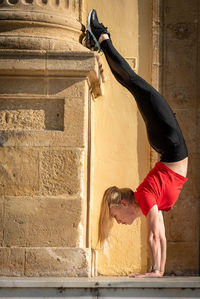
<point>153,237</point>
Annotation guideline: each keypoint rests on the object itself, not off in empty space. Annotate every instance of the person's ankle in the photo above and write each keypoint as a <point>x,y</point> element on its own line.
<point>103,36</point>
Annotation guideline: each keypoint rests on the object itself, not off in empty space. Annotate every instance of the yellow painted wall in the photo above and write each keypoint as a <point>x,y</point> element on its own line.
<point>120,151</point>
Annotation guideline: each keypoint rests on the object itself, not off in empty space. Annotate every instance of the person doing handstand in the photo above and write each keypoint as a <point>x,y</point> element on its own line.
<point>160,189</point>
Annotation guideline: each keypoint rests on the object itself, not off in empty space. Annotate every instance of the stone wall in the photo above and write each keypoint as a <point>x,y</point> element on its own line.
<point>176,38</point>
<point>46,78</point>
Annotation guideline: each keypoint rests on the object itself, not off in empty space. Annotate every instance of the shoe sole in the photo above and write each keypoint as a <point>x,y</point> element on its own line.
<point>91,35</point>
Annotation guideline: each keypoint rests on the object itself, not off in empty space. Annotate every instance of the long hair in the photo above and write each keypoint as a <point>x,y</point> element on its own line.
<point>112,197</point>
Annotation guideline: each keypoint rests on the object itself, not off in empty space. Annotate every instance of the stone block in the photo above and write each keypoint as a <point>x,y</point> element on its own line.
<point>22,119</point>
<point>192,188</point>
<point>185,11</point>
<point>12,261</point>
<point>188,123</point>
<point>180,45</point>
<point>18,171</point>
<point>61,172</point>
<point>65,65</point>
<point>65,122</point>
<point>180,226</point>
<point>43,86</point>
<point>76,121</point>
<point>48,222</point>
<point>20,64</point>
<point>31,113</point>
<point>63,262</point>
<point>180,90</point>
<point>180,52</point>
<point>181,32</point>
<point>182,258</point>
<point>66,87</point>
<point>23,86</point>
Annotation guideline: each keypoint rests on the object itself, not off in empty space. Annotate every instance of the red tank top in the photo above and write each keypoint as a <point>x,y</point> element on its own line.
<point>161,186</point>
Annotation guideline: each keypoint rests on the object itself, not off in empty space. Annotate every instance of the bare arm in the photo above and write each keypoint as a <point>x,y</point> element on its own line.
<point>157,243</point>
<point>154,241</point>
<point>163,244</point>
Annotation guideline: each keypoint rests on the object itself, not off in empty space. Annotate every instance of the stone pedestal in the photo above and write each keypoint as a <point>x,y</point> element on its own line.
<point>47,78</point>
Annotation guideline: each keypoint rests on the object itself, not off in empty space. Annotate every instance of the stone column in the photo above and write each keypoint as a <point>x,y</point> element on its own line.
<point>40,24</point>
<point>47,79</point>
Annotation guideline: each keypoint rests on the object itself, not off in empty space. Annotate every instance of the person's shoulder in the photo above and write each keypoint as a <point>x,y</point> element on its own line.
<point>150,182</point>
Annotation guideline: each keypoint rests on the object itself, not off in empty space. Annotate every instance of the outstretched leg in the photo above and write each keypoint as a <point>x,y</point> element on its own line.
<point>163,131</point>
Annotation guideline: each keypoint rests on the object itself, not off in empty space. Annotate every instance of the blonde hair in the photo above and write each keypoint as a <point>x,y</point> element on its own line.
<point>112,197</point>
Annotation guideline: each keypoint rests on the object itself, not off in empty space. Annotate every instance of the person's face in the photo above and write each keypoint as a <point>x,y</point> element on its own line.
<point>123,213</point>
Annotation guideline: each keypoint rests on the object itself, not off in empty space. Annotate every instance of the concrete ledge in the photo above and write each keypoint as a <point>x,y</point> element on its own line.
<point>100,287</point>
<point>101,282</point>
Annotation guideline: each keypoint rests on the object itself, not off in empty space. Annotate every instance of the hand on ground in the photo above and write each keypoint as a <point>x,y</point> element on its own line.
<point>147,274</point>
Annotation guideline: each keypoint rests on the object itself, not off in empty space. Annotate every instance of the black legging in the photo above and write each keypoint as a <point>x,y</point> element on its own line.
<point>163,131</point>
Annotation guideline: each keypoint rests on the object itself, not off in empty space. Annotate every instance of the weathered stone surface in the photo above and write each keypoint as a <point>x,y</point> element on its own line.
<point>180,10</point>
<point>182,257</point>
<point>180,88</point>
<point>188,123</point>
<point>192,188</point>
<point>175,52</point>
<point>66,87</point>
<point>23,86</point>
<point>198,125</point>
<point>60,172</point>
<point>38,43</point>
<point>182,30</point>
<point>180,226</point>
<point>39,222</point>
<point>43,24</point>
<point>57,262</point>
<point>181,48</point>
<point>65,64</point>
<point>42,86</point>
<point>75,121</point>
<point>18,171</point>
<point>35,65</point>
<point>33,11</point>
<point>22,119</point>
<point>78,64</point>
<point>1,220</point>
<point>12,261</point>
<point>180,91</point>
<point>45,73</point>
<point>74,124</point>
<point>65,120</point>
<point>31,113</point>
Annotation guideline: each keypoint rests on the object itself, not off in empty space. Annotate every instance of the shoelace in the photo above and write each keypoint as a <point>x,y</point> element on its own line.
<point>103,26</point>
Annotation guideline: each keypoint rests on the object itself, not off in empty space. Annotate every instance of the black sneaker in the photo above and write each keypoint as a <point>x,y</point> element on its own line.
<point>93,31</point>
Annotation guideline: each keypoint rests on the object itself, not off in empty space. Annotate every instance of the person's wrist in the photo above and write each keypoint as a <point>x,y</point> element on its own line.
<point>155,269</point>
